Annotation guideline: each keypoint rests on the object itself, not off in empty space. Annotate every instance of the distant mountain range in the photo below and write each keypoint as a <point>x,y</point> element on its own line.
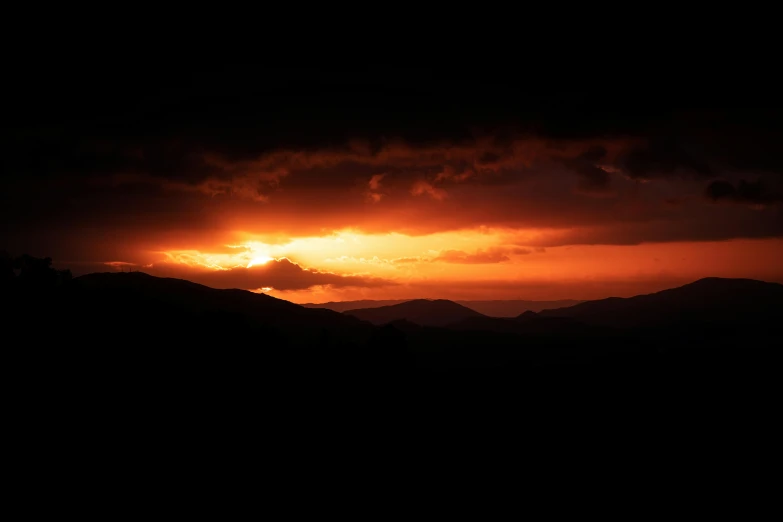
<point>497,308</point>
<point>710,300</point>
<point>137,324</point>
<point>424,312</point>
<point>119,296</point>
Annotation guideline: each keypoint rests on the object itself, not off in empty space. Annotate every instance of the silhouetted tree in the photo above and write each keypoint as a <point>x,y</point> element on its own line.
<point>34,273</point>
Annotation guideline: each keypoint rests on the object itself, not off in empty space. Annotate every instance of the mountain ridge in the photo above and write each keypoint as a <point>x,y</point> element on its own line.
<point>424,312</point>
<point>137,293</point>
<point>491,307</point>
<point>709,300</point>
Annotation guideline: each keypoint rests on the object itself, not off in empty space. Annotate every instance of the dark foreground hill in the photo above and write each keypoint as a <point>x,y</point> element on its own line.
<point>530,323</point>
<point>137,355</point>
<point>139,324</point>
<point>129,297</point>
<point>424,312</point>
<point>126,332</point>
<point>141,311</point>
<point>136,319</point>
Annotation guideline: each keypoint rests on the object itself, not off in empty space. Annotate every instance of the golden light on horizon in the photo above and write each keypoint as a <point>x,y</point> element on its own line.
<point>470,261</point>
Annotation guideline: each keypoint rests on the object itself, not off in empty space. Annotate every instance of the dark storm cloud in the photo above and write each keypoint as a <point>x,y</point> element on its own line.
<point>749,192</point>
<point>162,122</point>
<point>593,179</point>
<point>110,156</point>
<point>192,125</point>
<point>663,157</point>
<point>594,154</point>
<point>715,224</point>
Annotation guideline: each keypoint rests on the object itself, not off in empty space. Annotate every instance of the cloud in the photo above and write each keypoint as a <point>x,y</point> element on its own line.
<point>280,274</point>
<point>373,195</point>
<point>120,265</point>
<point>164,170</point>
<point>488,256</point>
<point>748,192</point>
<point>211,170</point>
<point>422,187</point>
<point>430,169</point>
<point>375,181</point>
<point>593,178</point>
<point>407,260</point>
<point>459,173</point>
<point>662,158</point>
<point>484,256</point>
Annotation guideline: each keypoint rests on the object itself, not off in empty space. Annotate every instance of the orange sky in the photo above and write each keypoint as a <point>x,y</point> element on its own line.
<point>473,221</point>
<point>464,264</point>
<point>568,212</point>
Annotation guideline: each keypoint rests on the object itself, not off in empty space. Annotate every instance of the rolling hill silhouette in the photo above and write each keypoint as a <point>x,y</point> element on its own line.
<point>710,300</point>
<point>152,344</point>
<point>514,307</point>
<point>138,287</point>
<point>137,309</point>
<point>424,312</point>
<point>134,320</point>
<point>493,308</point>
<point>343,306</point>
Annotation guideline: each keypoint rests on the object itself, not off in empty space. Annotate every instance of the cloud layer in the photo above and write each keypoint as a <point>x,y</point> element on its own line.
<point>138,170</point>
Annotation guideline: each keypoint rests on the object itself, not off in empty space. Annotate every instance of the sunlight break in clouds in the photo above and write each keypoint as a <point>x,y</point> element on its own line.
<point>260,260</point>
<point>349,264</point>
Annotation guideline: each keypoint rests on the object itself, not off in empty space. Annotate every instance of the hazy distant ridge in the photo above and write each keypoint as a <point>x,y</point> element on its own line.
<point>424,312</point>
<point>499,308</point>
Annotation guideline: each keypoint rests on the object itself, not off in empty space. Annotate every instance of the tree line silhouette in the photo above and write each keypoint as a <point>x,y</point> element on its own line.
<point>28,272</point>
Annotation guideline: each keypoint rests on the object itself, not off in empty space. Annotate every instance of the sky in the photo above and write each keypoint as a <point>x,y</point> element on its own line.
<point>325,184</point>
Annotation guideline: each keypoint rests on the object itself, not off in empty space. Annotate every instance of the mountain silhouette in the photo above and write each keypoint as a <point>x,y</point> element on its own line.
<point>145,308</point>
<point>424,312</point>
<point>514,307</point>
<point>710,300</point>
<point>130,340</point>
<point>492,308</point>
<point>197,297</point>
<point>343,306</point>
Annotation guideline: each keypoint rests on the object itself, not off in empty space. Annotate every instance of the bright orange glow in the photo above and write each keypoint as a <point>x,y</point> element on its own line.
<point>473,263</point>
<point>472,198</point>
